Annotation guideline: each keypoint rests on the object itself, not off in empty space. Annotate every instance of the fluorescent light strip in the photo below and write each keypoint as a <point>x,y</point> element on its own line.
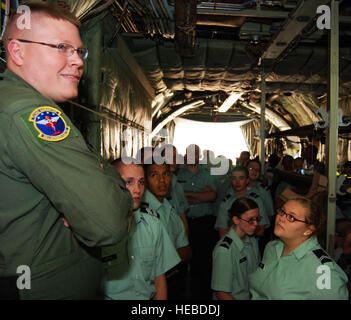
<point>229,101</point>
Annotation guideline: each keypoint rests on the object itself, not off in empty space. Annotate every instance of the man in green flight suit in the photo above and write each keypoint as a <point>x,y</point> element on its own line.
<point>47,173</point>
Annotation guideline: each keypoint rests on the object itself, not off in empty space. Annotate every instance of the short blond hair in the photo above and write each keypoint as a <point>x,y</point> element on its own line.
<point>49,9</point>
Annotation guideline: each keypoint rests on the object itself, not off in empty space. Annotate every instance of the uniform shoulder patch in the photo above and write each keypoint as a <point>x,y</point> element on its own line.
<point>49,124</point>
<point>144,205</point>
<point>254,195</point>
<point>243,259</point>
<point>226,242</point>
<point>322,256</point>
<point>147,210</point>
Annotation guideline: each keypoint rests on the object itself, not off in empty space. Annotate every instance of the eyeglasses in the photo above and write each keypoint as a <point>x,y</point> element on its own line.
<point>252,220</point>
<point>64,48</point>
<point>289,217</point>
<point>254,169</point>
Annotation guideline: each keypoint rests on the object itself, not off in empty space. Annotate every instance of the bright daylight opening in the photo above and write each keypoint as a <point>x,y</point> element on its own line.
<point>222,138</point>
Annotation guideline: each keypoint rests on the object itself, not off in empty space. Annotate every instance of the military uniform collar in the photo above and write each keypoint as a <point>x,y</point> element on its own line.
<point>237,241</point>
<point>305,247</point>
<point>232,191</point>
<point>301,250</point>
<point>137,216</point>
<point>155,204</point>
<point>256,185</point>
<point>11,76</point>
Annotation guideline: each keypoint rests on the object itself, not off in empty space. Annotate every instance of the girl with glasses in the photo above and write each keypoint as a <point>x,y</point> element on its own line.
<point>295,266</point>
<point>236,254</point>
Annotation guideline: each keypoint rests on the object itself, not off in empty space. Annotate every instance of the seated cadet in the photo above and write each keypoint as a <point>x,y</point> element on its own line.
<point>236,254</point>
<point>135,269</point>
<point>295,266</point>
<point>158,182</point>
<point>176,193</point>
<point>238,189</point>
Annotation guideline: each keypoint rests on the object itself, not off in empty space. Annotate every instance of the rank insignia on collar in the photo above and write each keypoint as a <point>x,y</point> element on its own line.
<point>49,124</point>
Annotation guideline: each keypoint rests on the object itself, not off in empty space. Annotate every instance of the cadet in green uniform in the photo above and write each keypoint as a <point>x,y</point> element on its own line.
<point>296,267</point>
<point>158,177</point>
<point>200,191</point>
<point>135,268</point>
<point>254,168</point>
<point>238,189</point>
<point>236,254</point>
<point>46,170</point>
<point>176,195</point>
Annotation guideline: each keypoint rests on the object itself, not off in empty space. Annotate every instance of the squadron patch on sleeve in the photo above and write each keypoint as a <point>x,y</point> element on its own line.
<point>49,124</point>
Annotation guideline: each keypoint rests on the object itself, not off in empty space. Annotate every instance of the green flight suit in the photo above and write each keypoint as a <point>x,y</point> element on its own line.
<point>299,275</point>
<point>131,275</point>
<point>223,215</point>
<point>197,182</point>
<point>232,261</point>
<point>43,180</point>
<point>170,219</point>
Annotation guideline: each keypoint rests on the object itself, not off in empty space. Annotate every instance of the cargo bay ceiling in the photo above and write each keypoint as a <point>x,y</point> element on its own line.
<point>196,53</point>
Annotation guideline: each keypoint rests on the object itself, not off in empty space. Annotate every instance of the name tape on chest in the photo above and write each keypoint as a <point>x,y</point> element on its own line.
<point>49,124</point>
